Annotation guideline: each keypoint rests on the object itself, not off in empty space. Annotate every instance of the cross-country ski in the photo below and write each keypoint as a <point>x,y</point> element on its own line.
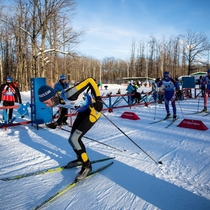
<point>49,170</point>
<point>154,167</point>
<point>69,186</point>
<point>171,123</point>
<point>165,118</point>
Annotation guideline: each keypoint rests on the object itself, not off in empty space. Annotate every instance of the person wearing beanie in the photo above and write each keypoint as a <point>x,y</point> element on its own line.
<point>59,86</point>
<point>45,93</point>
<point>9,94</point>
<point>87,116</point>
<point>170,87</point>
<point>206,88</point>
<point>137,96</point>
<point>130,89</point>
<point>178,92</point>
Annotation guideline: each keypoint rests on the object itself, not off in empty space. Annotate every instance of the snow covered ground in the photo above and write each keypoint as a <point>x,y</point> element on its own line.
<point>133,182</point>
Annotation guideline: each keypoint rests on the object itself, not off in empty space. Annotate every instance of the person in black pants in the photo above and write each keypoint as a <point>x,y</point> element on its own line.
<point>137,95</point>
<point>59,86</point>
<point>88,113</point>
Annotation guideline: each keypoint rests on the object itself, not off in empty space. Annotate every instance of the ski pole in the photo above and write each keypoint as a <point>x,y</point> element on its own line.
<point>155,104</point>
<point>198,101</point>
<point>159,162</point>
<point>95,140</point>
<point>180,107</point>
<point>155,109</point>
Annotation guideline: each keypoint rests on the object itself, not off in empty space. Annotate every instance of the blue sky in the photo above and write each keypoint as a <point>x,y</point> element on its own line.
<point>112,25</point>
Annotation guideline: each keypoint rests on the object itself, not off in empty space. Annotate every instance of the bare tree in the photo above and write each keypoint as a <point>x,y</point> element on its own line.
<point>37,39</point>
<point>151,57</point>
<point>40,28</point>
<point>132,72</point>
<point>141,61</point>
<point>195,46</point>
<point>62,37</point>
<point>176,53</point>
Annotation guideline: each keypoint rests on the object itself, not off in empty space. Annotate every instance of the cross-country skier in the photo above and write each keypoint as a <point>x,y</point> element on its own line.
<point>206,86</point>
<point>169,86</point>
<point>88,114</point>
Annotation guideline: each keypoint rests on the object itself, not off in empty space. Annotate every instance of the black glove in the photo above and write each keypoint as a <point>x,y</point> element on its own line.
<point>52,125</point>
<point>98,105</point>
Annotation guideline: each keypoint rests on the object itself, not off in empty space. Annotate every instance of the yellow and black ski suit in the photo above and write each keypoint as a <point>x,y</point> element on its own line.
<point>84,120</point>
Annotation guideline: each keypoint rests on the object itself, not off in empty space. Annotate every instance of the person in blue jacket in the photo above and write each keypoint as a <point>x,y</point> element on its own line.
<point>154,90</point>
<point>206,87</point>
<point>59,86</point>
<point>130,89</point>
<point>170,87</point>
<point>178,91</point>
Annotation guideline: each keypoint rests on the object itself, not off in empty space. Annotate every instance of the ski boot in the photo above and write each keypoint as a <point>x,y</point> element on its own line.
<point>205,109</point>
<point>85,170</point>
<point>174,117</point>
<point>168,115</point>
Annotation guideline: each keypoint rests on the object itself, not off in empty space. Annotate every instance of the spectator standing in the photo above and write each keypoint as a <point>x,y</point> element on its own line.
<point>130,90</point>
<point>10,94</point>
<point>201,85</point>
<point>159,93</point>
<point>155,90</point>
<point>59,87</point>
<point>178,91</point>
<point>137,96</point>
<point>206,87</point>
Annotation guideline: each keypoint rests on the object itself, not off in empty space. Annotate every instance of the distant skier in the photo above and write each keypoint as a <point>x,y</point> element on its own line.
<point>88,114</point>
<point>206,88</point>
<point>168,85</point>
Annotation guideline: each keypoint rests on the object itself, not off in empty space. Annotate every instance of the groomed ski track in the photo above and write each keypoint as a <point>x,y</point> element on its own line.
<point>134,181</point>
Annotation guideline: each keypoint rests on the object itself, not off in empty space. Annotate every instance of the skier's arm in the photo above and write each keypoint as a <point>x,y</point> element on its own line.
<point>73,93</point>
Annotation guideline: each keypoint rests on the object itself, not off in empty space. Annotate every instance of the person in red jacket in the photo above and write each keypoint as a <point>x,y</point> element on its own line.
<point>9,94</point>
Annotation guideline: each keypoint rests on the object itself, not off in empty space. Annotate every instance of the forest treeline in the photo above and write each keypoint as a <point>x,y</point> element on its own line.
<point>37,40</point>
